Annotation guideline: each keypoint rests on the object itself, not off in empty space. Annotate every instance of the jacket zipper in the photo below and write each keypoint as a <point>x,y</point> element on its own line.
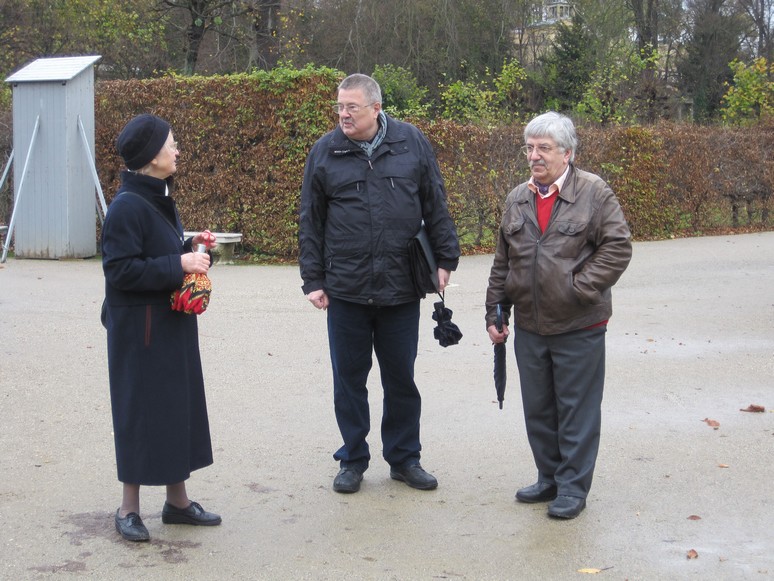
<point>534,284</point>
<point>147,325</point>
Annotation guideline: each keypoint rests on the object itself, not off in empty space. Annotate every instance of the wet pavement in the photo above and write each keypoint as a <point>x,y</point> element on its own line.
<point>691,343</point>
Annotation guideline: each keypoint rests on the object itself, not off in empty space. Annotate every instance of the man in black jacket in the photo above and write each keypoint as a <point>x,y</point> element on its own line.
<point>368,185</point>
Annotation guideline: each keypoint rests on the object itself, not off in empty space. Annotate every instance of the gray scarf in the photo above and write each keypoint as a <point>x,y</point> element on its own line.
<point>370,146</point>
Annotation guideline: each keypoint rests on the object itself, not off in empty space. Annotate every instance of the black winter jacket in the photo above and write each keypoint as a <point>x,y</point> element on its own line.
<point>358,215</point>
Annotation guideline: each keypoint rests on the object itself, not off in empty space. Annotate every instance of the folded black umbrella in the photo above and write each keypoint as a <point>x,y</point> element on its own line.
<point>446,332</point>
<point>500,373</point>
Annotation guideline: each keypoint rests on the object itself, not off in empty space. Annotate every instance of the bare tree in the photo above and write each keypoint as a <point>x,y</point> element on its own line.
<point>264,23</point>
<point>646,13</point>
<point>761,14</point>
<point>671,33</point>
<point>645,23</point>
<point>202,16</point>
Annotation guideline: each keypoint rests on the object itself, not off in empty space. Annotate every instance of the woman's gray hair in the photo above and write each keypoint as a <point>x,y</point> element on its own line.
<point>558,127</point>
<point>371,89</point>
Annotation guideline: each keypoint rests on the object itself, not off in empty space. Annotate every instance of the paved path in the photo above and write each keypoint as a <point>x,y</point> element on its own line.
<point>691,339</point>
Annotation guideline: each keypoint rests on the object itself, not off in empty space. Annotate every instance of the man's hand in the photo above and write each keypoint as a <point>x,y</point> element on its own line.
<point>496,336</point>
<point>443,279</point>
<point>318,298</point>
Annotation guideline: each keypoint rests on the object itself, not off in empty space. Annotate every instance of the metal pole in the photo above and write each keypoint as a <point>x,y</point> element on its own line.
<point>7,169</point>
<point>93,166</point>
<point>17,197</point>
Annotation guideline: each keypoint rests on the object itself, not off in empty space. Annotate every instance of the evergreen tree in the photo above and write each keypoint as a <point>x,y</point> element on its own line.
<point>713,42</point>
<point>569,64</point>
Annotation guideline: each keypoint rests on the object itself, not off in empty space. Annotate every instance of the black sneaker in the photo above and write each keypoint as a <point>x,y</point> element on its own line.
<point>131,527</point>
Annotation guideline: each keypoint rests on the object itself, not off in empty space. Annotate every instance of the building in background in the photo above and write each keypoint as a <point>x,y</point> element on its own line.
<point>534,38</point>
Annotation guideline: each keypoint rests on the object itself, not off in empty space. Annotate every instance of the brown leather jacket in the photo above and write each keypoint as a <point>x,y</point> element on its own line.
<point>560,280</point>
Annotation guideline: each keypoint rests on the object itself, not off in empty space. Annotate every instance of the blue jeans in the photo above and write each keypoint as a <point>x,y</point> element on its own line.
<point>355,332</point>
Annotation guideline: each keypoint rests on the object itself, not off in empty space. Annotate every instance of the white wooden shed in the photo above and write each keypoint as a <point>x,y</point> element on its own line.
<point>54,173</point>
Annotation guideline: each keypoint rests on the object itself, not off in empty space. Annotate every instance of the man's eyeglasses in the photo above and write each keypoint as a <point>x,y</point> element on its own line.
<point>541,149</point>
<point>352,109</point>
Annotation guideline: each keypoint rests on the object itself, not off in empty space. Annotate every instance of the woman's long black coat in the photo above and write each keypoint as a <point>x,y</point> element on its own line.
<point>156,385</point>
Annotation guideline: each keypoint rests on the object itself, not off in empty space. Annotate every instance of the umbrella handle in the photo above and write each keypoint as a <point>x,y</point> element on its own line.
<point>499,321</point>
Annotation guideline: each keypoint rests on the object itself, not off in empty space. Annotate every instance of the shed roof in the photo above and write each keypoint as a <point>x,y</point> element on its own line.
<point>53,69</point>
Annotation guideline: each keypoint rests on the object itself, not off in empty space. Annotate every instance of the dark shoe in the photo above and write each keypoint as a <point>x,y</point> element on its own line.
<point>415,476</point>
<point>193,515</point>
<point>347,480</point>
<point>566,506</point>
<point>131,527</point>
<point>538,492</point>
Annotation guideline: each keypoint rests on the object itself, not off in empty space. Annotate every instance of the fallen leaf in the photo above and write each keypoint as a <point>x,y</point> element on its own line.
<point>754,408</point>
<point>722,465</point>
<point>692,554</point>
<point>694,517</point>
<point>590,571</point>
<point>714,424</point>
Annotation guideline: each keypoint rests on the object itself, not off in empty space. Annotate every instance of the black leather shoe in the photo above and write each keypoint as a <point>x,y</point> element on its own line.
<point>538,492</point>
<point>347,480</point>
<point>131,527</point>
<point>193,515</point>
<point>566,506</point>
<point>415,476</point>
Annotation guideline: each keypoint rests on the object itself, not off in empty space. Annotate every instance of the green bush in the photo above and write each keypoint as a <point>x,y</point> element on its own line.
<point>401,95</point>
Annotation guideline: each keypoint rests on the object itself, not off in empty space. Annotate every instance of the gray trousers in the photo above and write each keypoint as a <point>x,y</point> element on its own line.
<point>562,379</point>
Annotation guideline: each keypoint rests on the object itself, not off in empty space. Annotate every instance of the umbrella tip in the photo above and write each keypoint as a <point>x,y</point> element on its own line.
<point>501,405</point>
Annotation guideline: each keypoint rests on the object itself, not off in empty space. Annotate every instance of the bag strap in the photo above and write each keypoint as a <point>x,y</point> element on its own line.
<point>155,209</point>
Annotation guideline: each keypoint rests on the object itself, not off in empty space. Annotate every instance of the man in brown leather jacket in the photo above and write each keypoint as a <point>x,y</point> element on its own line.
<point>563,243</point>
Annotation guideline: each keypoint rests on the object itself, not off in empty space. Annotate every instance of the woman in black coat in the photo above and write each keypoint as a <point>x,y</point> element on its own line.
<point>156,385</point>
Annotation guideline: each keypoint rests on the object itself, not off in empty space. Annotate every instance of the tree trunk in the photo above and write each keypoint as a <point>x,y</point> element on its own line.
<point>195,34</point>
<point>263,52</point>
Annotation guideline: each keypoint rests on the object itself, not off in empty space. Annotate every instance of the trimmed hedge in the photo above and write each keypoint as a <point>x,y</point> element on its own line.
<point>244,139</point>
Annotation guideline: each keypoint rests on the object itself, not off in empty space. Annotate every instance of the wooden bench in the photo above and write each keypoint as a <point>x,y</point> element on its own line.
<point>223,253</point>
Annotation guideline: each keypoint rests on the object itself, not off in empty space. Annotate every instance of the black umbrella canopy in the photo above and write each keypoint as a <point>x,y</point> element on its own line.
<point>446,332</point>
<point>500,372</point>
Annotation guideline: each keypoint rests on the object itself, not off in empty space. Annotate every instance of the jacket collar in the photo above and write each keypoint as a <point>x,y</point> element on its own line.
<point>340,144</point>
<point>142,184</point>
<point>567,193</point>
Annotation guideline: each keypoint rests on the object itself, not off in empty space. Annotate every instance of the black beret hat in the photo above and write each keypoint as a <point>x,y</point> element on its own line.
<point>141,139</point>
